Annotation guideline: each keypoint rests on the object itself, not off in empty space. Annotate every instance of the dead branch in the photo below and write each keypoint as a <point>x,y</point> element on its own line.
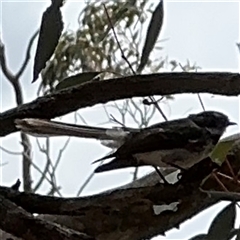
<point>92,93</point>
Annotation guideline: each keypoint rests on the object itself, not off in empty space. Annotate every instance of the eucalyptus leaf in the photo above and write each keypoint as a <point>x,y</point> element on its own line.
<point>153,31</point>
<point>76,80</point>
<point>50,32</point>
<point>221,150</point>
<point>223,223</point>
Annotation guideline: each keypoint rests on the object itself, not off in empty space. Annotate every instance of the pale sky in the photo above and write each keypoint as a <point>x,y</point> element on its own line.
<point>204,32</point>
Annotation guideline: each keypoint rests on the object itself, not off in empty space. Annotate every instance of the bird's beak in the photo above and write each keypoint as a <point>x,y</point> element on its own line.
<point>232,123</point>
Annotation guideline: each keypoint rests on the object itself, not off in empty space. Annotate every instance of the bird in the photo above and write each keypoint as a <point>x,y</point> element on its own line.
<point>179,143</point>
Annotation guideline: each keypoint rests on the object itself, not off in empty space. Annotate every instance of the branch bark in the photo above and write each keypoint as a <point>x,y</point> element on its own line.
<point>22,224</point>
<point>92,93</point>
<point>128,213</point>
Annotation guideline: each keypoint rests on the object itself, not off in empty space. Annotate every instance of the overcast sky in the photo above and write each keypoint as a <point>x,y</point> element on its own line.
<point>204,32</point>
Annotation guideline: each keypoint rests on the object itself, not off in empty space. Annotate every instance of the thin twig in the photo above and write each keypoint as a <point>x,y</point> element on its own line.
<point>7,73</point>
<point>10,152</point>
<point>60,155</point>
<point>52,174</point>
<point>85,184</point>
<point>14,80</point>
<point>27,57</point>
<point>158,108</point>
<point>113,119</point>
<point>135,174</point>
<point>201,102</point>
<point>198,94</point>
<point>3,164</point>
<point>219,182</point>
<point>118,43</point>
<point>40,171</point>
<point>129,64</point>
<point>43,176</point>
<point>52,181</point>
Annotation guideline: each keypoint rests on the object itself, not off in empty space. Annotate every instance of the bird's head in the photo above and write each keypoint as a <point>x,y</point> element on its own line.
<point>215,122</point>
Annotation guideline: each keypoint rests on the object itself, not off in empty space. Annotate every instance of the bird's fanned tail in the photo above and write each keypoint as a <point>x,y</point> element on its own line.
<point>47,128</point>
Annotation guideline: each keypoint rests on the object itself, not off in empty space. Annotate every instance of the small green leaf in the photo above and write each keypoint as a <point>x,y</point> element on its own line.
<point>76,80</point>
<point>223,223</point>
<point>221,150</point>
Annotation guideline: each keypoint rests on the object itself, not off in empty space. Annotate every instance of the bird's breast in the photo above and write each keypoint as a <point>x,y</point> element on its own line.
<point>183,158</point>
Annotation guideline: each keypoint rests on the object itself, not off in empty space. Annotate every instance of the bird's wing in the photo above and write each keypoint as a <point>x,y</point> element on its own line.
<point>47,128</point>
<point>175,134</point>
<point>181,133</point>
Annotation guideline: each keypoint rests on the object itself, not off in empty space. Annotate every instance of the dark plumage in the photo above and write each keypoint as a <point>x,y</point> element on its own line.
<point>182,143</point>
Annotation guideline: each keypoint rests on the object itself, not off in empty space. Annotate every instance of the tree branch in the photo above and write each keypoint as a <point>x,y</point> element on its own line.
<point>14,80</point>
<point>27,57</point>
<point>3,64</point>
<point>92,93</point>
<point>117,214</point>
<point>22,224</point>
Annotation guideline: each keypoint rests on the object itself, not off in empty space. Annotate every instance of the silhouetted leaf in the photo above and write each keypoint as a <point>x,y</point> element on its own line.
<point>223,223</point>
<point>76,80</point>
<point>199,237</point>
<point>153,31</point>
<point>50,32</point>
<point>221,150</point>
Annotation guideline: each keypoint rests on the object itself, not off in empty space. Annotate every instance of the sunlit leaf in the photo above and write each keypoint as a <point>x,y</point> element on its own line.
<point>76,80</point>
<point>221,150</point>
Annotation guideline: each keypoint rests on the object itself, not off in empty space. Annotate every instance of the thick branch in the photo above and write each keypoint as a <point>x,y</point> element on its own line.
<point>92,93</point>
<point>20,223</point>
<point>117,214</point>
